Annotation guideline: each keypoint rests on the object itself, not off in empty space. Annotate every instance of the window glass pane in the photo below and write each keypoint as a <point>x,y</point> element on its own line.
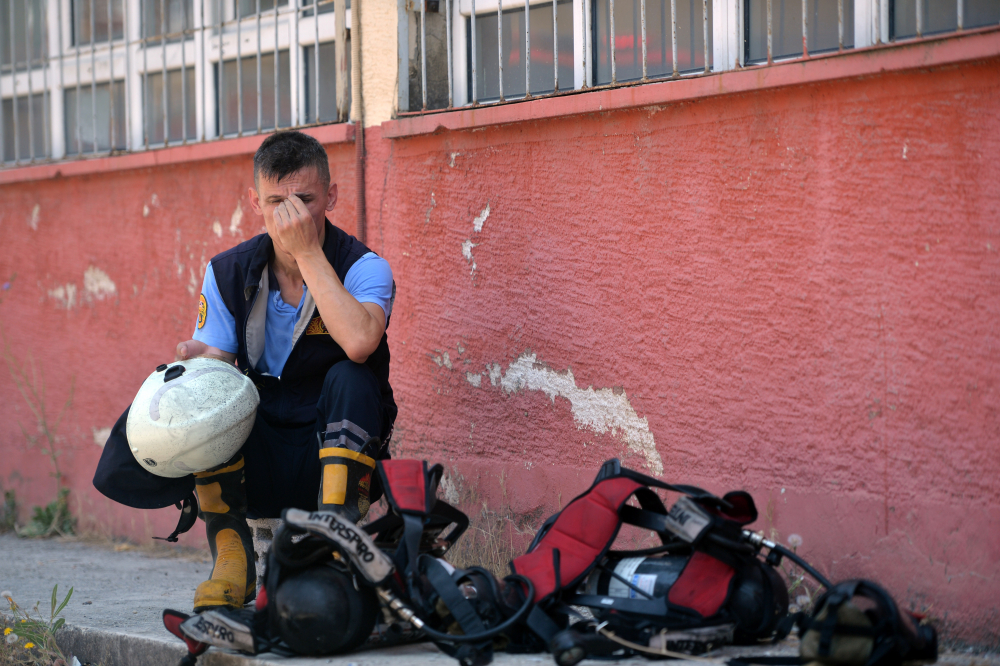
<point>85,10</point>
<point>327,82</point>
<point>90,120</point>
<point>325,6</point>
<point>487,55</point>
<point>786,35</point>
<point>174,15</point>
<point>659,48</point>
<point>229,104</point>
<point>938,16</point>
<point>249,7</point>
<point>981,12</point>
<point>25,134</point>
<point>27,27</point>
<point>175,103</point>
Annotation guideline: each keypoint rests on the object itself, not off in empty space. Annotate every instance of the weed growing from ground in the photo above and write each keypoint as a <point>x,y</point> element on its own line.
<point>29,639</point>
<point>55,518</point>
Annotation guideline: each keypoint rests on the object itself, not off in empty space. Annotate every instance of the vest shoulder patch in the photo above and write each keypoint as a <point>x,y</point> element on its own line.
<point>317,327</point>
<point>202,311</point>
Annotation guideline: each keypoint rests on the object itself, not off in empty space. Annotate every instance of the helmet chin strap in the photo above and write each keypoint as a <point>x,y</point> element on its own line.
<point>189,515</point>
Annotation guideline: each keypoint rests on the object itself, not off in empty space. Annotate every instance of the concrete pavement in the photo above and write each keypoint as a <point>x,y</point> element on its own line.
<point>114,616</point>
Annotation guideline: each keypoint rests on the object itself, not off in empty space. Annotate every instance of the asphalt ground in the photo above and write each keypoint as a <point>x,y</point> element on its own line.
<point>114,615</point>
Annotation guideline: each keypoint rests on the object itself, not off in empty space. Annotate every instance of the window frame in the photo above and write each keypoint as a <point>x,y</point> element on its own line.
<point>129,62</point>
<point>730,42</point>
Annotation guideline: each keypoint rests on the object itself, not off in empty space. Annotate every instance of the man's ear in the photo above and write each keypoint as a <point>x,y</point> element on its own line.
<point>255,201</point>
<point>331,196</point>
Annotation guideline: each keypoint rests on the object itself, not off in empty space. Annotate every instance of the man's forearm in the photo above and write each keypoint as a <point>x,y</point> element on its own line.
<point>349,323</point>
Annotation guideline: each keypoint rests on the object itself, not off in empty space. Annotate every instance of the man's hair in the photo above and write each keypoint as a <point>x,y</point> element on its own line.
<point>284,153</point>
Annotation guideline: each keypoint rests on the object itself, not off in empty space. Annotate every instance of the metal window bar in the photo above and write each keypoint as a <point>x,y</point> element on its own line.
<point>527,50</point>
<point>555,45</point>
<point>219,107</point>
<point>475,55</point>
<point>316,59</point>
<point>204,76</point>
<point>128,85</point>
<point>277,85</point>
<point>184,28</point>
<point>423,53</point>
<point>642,18</point>
<point>585,19</point>
<point>451,85</point>
<point>918,7</point>
<point>111,74</point>
<point>29,53</point>
<point>960,14</point>
<point>295,3</point>
<point>673,38</point>
<point>13,81</point>
<point>612,44</point>
<point>93,76</point>
<point>704,31</point>
<point>46,101</point>
<point>500,44</point>
<point>239,72</point>
<point>805,29</point>
<point>770,32</point>
<point>163,70</point>
<point>260,98</point>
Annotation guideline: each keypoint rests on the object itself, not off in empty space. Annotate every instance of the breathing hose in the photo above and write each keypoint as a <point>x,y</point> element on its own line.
<point>410,616</point>
<point>758,540</point>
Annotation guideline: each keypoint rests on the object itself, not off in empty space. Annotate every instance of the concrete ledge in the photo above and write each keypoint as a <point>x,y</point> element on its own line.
<point>247,145</point>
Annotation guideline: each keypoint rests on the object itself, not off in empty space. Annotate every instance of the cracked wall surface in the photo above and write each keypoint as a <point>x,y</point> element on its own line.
<point>794,292</point>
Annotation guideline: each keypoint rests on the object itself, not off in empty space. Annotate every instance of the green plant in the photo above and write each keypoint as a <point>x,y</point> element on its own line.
<point>8,512</point>
<point>55,518</point>
<point>29,639</point>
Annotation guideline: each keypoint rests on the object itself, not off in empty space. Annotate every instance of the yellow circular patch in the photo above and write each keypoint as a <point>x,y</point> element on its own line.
<point>202,311</point>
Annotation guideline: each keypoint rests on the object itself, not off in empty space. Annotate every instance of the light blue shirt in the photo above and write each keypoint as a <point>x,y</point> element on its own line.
<point>369,281</point>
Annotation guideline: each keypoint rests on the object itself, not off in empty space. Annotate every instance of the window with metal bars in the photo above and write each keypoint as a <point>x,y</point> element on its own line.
<point>86,77</point>
<point>685,22</point>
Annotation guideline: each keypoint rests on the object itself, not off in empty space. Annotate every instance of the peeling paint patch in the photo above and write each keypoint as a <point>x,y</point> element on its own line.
<point>236,219</point>
<point>97,285</point>
<point>600,410</point>
<point>451,162</point>
<point>101,436</point>
<point>217,228</point>
<point>36,214</point>
<point>474,378</point>
<point>145,210</point>
<point>479,220</point>
<point>467,244</point>
<point>443,359</point>
<point>64,295</point>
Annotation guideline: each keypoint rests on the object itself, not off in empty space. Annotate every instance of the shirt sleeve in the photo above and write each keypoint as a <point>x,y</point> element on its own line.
<point>370,281</point>
<point>216,325</point>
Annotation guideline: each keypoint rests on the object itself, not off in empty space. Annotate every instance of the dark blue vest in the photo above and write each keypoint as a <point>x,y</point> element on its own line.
<point>290,400</point>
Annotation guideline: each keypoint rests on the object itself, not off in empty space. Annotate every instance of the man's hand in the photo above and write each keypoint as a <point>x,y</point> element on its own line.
<point>294,228</point>
<point>193,348</point>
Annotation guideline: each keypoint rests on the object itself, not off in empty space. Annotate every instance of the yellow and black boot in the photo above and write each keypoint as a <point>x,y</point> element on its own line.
<point>222,504</point>
<point>345,485</point>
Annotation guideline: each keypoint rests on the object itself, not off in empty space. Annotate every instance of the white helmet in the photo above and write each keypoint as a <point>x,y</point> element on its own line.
<point>191,416</point>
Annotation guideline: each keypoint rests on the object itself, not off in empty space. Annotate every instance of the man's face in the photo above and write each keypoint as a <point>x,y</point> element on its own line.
<point>318,197</point>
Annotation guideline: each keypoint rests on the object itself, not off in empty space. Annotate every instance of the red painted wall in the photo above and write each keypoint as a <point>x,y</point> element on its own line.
<point>793,291</point>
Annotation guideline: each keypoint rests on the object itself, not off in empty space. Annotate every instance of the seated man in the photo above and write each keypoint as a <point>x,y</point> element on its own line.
<point>302,310</point>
